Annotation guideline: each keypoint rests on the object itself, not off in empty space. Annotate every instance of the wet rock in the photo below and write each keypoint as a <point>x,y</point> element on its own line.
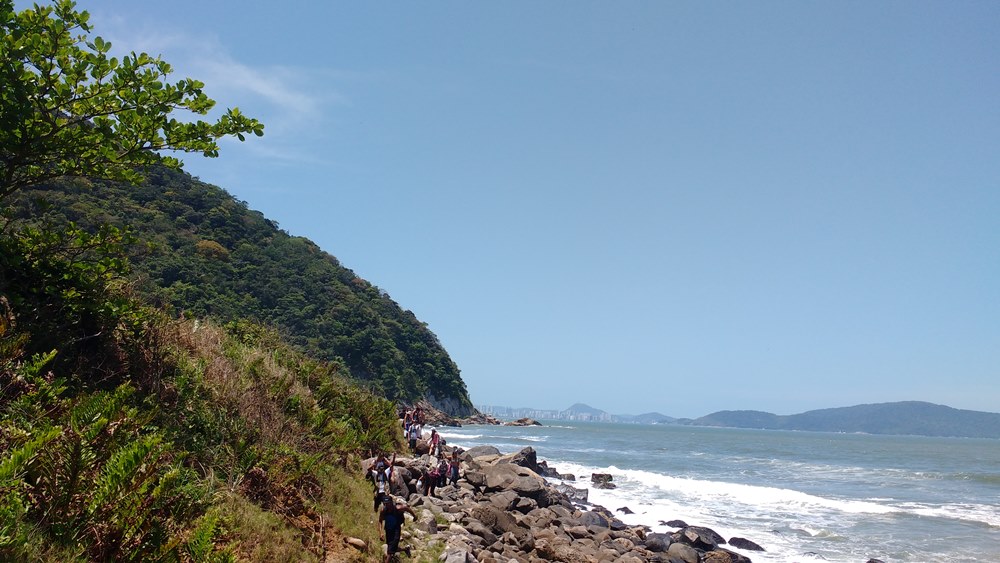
<point>602,480</point>
<point>657,543</point>
<point>700,537</point>
<point>743,543</point>
<point>720,555</point>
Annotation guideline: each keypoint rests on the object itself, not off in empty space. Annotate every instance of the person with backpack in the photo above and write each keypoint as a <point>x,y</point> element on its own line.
<point>443,469</point>
<point>382,478</point>
<point>391,521</point>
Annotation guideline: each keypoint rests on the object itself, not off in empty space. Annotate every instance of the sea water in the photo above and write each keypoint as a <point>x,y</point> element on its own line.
<point>803,496</point>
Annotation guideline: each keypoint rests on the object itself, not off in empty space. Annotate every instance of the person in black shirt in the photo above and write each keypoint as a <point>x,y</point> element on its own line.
<point>391,518</point>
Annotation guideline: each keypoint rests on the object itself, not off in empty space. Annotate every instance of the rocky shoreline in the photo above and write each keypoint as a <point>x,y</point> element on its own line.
<point>504,509</point>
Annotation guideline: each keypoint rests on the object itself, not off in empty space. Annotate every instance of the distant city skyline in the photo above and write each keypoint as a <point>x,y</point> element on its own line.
<point>672,207</point>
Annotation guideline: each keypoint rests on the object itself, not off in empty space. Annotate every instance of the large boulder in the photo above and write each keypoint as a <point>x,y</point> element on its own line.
<point>478,528</point>
<point>592,518</point>
<point>700,537</point>
<point>683,552</point>
<point>523,422</point>
<point>524,458</point>
<point>602,480</point>
<point>572,493</point>
<point>743,543</point>
<point>657,543</point>
<point>500,522</point>
<point>423,447</point>
<point>479,451</point>
<point>719,555</point>
<point>476,478</point>
<point>458,556</point>
<point>523,481</point>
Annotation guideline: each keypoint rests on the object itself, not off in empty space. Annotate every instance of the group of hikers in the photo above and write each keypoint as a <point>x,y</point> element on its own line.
<point>442,472</point>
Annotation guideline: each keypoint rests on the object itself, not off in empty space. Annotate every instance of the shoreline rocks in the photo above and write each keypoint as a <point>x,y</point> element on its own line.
<point>504,510</point>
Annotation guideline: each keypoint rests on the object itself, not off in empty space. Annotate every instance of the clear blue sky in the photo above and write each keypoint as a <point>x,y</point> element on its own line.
<point>642,206</point>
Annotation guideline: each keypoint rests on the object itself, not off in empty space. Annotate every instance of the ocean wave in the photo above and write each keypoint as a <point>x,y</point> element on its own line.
<point>530,438</point>
<point>459,436</point>
<point>977,513</point>
<point>650,483</point>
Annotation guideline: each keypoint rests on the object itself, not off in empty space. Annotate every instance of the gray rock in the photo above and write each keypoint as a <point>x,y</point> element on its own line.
<point>719,555</point>
<point>476,478</point>
<point>591,518</point>
<point>683,552</point>
<point>480,451</point>
<point>701,538</point>
<point>525,458</point>
<point>524,505</point>
<point>572,493</point>
<point>743,543</point>
<point>657,542</point>
<point>457,556</point>
<point>476,527</point>
<point>602,480</point>
<point>504,500</point>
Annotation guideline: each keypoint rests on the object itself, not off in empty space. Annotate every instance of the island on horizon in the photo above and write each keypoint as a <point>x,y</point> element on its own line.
<point>917,418</point>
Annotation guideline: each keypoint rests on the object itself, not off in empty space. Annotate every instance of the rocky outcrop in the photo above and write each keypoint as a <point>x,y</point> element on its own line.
<point>480,418</point>
<point>743,543</point>
<point>602,480</point>
<point>502,510</point>
<point>523,422</point>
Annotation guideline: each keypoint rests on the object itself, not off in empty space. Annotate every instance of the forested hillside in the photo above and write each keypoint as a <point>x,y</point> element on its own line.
<point>136,432</point>
<point>202,253</point>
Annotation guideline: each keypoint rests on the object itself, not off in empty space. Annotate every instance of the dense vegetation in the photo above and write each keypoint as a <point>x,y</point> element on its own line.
<point>907,417</point>
<point>204,254</point>
<point>129,431</point>
<point>127,435</point>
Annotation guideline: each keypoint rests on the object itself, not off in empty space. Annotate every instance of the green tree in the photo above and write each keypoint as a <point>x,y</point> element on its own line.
<point>67,108</point>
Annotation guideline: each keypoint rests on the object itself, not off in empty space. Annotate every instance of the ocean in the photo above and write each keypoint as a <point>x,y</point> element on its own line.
<point>803,496</point>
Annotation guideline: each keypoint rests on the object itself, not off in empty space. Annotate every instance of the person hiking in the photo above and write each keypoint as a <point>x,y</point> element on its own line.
<point>391,525</point>
<point>415,434</point>
<point>443,469</point>
<point>430,478</point>
<point>382,478</point>
<point>435,443</point>
<point>453,468</point>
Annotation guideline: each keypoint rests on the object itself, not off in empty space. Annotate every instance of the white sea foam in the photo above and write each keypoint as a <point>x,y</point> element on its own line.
<point>533,438</point>
<point>659,485</point>
<point>656,498</point>
<point>459,436</point>
<point>981,513</point>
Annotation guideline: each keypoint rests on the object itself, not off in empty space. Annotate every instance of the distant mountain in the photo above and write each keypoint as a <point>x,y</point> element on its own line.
<point>907,417</point>
<point>654,418</point>
<point>580,409</point>
<point>578,412</point>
